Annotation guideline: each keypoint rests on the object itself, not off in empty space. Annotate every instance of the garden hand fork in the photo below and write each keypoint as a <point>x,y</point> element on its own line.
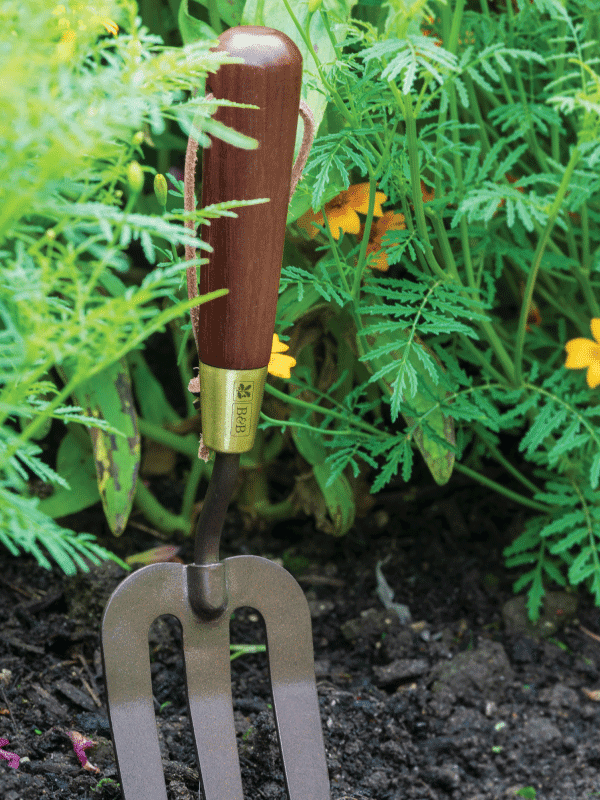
<point>234,340</point>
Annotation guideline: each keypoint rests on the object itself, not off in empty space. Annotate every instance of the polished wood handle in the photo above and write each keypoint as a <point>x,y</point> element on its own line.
<point>236,331</point>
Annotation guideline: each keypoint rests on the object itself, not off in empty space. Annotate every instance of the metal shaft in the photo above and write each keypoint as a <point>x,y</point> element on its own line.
<point>207,585</point>
<point>212,516</point>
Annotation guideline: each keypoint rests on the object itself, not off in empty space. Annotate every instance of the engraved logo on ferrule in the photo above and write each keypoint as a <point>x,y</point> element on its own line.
<point>242,409</point>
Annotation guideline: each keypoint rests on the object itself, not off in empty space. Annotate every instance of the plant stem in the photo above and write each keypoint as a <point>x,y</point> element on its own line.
<point>365,241</point>
<point>290,399</point>
<point>187,445</point>
<point>164,520</point>
<point>497,487</point>
<point>415,179</point>
<point>537,260</point>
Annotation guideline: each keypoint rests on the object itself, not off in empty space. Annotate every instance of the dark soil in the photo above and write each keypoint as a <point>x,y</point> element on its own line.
<point>458,702</point>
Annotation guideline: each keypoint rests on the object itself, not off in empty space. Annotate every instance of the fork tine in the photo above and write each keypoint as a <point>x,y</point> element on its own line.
<point>208,676</point>
<point>274,593</point>
<point>133,607</point>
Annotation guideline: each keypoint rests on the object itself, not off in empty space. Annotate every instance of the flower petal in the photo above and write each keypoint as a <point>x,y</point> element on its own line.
<point>358,196</point>
<point>378,260</point>
<point>595,326</point>
<point>593,374</point>
<point>345,219</point>
<point>278,346</point>
<point>581,353</point>
<point>280,366</point>
<point>308,221</point>
<point>360,199</point>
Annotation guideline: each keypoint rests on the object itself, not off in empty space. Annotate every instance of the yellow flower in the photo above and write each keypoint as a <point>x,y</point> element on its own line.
<point>66,47</point>
<point>108,23</point>
<point>582,353</point>
<point>87,16</point>
<point>342,212</point>
<point>280,365</point>
<point>376,257</point>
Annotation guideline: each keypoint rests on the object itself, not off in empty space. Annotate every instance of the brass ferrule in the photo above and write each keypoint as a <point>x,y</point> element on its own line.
<point>230,401</point>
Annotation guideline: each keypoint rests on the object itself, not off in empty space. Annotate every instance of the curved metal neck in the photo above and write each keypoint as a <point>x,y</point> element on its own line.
<point>212,516</point>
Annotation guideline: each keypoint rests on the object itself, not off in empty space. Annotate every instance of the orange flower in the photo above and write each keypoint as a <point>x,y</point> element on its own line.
<point>280,365</point>
<point>342,212</point>
<point>429,32</point>
<point>428,194</point>
<point>376,257</point>
<point>583,353</point>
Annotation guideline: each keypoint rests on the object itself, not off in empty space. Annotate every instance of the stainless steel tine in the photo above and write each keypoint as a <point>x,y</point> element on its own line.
<point>275,594</point>
<point>208,676</point>
<point>132,608</point>
<point>151,592</point>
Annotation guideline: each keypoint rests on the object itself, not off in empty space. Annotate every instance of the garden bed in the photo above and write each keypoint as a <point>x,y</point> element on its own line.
<point>449,705</point>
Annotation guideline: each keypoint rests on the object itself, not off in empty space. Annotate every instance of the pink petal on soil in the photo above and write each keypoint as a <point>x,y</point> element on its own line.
<point>12,758</point>
<point>80,745</point>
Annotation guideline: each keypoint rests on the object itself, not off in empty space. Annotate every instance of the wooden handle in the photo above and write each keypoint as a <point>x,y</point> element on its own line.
<point>236,331</point>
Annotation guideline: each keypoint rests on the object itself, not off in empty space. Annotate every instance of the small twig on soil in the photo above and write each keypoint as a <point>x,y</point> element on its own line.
<point>17,589</point>
<point>321,580</point>
<point>90,691</point>
<point>589,633</point>
<point>88,686</point>
<point>146,529</point>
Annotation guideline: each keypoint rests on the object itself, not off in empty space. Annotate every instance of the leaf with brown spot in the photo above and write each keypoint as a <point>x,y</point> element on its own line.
<point>108,396</point>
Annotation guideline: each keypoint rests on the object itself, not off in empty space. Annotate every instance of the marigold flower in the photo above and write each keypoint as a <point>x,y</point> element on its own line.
<point>342,212</point>
<point>584,353</point>
<point>280,365</point>
<point>87,16</point>
<point>376,257</point>
<point>428,194</point>
<point>429,32</point>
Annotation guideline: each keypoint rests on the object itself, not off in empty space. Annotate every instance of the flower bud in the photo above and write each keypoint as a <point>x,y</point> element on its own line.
<point>138,137</point>
<point>135,177</point>
<point>160,189</point>
<point>314,5</point>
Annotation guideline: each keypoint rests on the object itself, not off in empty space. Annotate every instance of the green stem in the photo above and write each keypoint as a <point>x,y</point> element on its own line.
<point>336,254</point>
<point>186,445</point>
<point>497,487</point>
<point>415,179</point>
<point>537,260</point>
<point>165,521</point>
<point>291,400</point>
<point>362,255</point>
<point>339,103</point>
<point>485,366</point>
<point>191,487</point>
<point>214,17</point>
<point>497,455</point>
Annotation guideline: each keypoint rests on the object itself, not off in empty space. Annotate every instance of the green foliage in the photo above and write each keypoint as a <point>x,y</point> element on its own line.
<point>482,128</point>
<point>438,328</point>
<point>82,94</point>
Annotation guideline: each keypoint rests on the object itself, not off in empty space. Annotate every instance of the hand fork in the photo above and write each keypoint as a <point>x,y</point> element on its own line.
<point>234,342</point>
